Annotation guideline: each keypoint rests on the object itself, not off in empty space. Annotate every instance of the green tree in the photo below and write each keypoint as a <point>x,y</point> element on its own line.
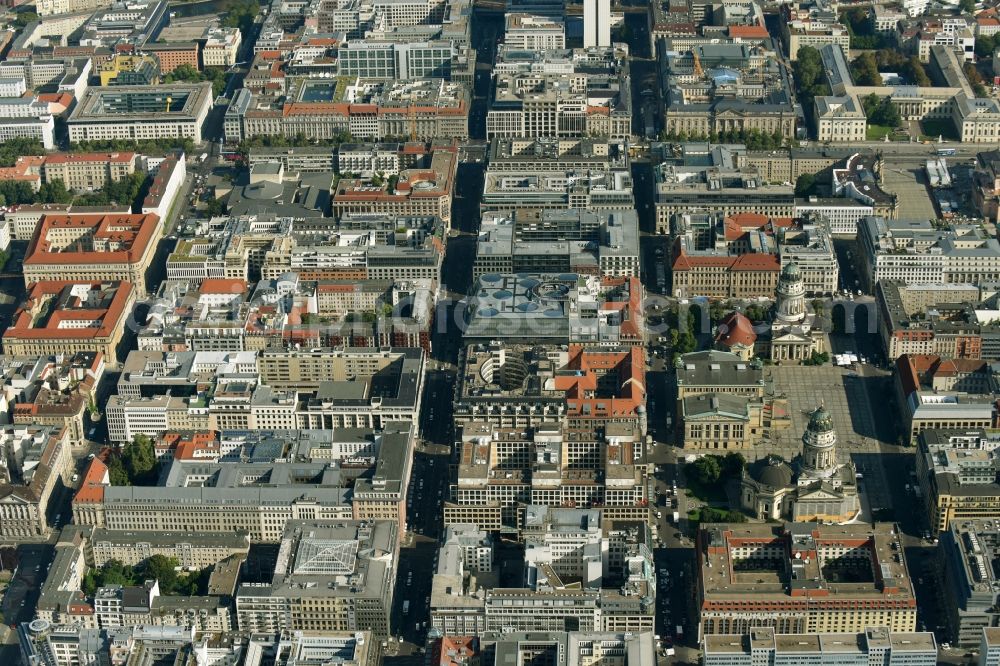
<point>985,45</point>
<point>139,458</point>
<point>54,191</point>
<point>967,6</point>
<point>686,342</point>
<point>11,149</point>
<point>705,470</point>
<point>163,569</point>
<point>805,185</point>
<point>24,18</point>
<point>116,472</point>
<point>115,573</point>
<point>241,14</point>
<point>732,464</point>
<point>916,73</point>
<point>864,69</point>
<point>215,207</point>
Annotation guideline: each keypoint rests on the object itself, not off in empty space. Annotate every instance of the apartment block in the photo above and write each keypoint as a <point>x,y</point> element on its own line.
<point>88,171</point>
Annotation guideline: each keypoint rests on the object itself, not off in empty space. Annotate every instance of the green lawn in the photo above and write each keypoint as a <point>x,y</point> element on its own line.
<point>879,132</point>
<point>932,129</point>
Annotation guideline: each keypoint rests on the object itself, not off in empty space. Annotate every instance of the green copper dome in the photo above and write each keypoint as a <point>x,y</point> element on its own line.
<point>791,271</point>
<point>820,421</point>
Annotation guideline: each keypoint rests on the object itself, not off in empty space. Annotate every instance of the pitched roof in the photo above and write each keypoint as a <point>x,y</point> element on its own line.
<point>735,330</point>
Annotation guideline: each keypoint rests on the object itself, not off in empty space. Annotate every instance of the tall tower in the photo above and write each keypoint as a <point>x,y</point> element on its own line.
<point>791,295</point>
<point>819,447</point>
<point>596,23</point>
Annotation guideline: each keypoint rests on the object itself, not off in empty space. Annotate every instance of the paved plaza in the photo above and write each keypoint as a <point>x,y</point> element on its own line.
<point>858,404</point>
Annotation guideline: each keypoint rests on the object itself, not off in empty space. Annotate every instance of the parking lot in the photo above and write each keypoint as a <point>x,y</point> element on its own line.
<point>908,183</point>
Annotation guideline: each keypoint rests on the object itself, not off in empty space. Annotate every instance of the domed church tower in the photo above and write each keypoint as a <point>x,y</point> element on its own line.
<point>819,447</point>
<point>791,295</point>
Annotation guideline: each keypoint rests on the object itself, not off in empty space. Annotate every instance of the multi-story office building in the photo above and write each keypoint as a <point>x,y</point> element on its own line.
<point>798,33</point>
<point>390,248</point>
<point>357,648</point>
<point>130,69</point>
<point>572,647</point>
<point>533,155</point>
<point>35,460</point>
<point>957,475</point>
<point>803,578</point>
<point>502,384</point>
<point>295,490</point>
<point>905,329</point>
<point>590,190</point>
<point>532,105</point>
<point>932,392</point>
<point>92,248</point>
<point>970,586</point>
<point>718,190</point>
<point>918,252</point>
<point>141,112</point>
<point>222,47</point>
<point>421,191</point>
<point>843,214</point>
<point>724,276</point>
<point>809,246</point>
<point>394,61</point>
<point>56,391</point>
<point>71,317</point>
<point>559,241</point>
<point>50,7</point>
<point>762,645</point>
<point>193,550</point>
<point>197,315</point>
<point>330,576</point>
<point>859,178</point>
<point>531,32</point>
<point>498,478</point>
<point>424,110</point>
<point>596,23</point>
<point>560,308</point>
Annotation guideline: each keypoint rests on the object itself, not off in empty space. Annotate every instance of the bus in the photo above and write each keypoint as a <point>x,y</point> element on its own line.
<point>944,152</point>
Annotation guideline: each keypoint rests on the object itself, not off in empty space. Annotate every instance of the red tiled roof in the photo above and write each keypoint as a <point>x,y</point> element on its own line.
<point>735,330</point>
<point>135,232</point>
<point>61,158</point>
<point>223,286</point>
<point>92,487</point>
<point>110,318</point>
<point>748,31</point>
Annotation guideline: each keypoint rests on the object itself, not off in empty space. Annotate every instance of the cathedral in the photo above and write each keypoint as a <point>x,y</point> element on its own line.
<point>793,336</point>
<point>816,488</point>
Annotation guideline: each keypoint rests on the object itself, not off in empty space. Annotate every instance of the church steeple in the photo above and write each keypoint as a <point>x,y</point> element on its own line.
<point>819,446</point>
<point>791,295</point>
